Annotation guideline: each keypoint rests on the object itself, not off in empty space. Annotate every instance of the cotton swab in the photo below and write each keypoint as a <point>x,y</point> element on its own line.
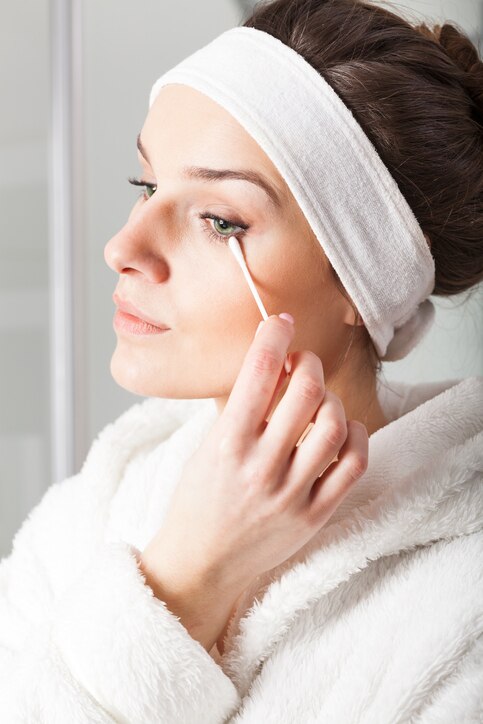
<point>234,245</point>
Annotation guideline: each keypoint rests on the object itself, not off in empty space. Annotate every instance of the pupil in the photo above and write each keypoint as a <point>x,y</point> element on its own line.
<point>224,225</point>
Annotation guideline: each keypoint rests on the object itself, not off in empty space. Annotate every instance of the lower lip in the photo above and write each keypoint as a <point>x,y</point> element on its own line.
<point>133,325</point>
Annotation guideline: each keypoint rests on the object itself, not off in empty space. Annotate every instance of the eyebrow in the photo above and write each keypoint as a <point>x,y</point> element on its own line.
<point>213,174</point>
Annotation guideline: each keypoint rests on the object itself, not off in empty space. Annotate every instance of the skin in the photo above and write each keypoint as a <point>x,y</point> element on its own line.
<point>247,500</point>
<point>161,250</point>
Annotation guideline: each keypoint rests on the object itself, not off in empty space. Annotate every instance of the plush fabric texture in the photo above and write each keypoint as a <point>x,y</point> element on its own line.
<point>377,620</point>
<point>354,206</point>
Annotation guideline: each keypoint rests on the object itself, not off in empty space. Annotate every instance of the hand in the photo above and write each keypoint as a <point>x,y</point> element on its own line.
<point>249,498</point>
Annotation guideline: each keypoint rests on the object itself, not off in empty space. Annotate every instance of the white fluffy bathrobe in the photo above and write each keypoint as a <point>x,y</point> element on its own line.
<point>380,623</point>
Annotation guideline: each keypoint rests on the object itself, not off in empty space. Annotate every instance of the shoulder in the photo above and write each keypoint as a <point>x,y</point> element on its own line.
<point>141,426</point>
<point>385,642</point>
<point>436,587</point>
<point>443,575</point>
<point>66,527</point>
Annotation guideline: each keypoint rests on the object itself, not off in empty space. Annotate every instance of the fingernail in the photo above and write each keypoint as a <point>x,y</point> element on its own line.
<point>288,317</point>
<point>288,364</point>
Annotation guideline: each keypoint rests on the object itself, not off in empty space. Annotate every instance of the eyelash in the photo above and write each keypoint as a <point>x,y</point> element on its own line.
<point>209,230</point>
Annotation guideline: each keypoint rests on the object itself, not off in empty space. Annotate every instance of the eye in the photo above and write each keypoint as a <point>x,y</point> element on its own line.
<point>227,227</point>
<point>222,229</point>
<point>149,188</point>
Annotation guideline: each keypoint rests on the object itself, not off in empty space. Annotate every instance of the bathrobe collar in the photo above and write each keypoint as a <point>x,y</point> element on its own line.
<point>422,484</point>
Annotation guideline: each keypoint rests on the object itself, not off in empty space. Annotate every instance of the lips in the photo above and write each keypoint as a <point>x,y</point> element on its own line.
<point>126,306</point>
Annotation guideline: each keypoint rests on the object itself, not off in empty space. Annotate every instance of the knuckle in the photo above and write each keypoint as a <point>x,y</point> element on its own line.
<point>357,465</point>
<point>259,469</point>
<point>256,476</point>
<point>310,388</point>
<point>264,360</point>
<point>336,432</point>
<point>230,445</point>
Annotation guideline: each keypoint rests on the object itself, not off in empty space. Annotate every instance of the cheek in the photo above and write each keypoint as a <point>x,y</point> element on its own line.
<point>219,309</point>
<point>285,276</point>
<point>213,285</point>
<point>219,314</point>
<point>226,296</point>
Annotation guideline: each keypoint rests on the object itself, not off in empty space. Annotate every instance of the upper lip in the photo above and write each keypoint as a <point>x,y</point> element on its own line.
<point>126,306</point>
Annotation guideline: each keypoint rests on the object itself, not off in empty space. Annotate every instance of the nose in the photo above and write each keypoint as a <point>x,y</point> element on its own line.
<point>133,251</point>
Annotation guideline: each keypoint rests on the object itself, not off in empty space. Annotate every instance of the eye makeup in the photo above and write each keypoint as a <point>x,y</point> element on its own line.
<point>148,186</point>
<point>216,236</point>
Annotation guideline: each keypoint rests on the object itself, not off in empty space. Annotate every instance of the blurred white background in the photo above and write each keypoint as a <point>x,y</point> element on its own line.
<point>64,161</point>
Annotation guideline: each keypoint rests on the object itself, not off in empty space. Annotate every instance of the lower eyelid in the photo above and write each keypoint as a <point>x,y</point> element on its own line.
<point>216,236</point>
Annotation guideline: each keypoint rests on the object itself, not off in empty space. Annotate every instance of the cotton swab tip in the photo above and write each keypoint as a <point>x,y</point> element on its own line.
<point>235,247</point>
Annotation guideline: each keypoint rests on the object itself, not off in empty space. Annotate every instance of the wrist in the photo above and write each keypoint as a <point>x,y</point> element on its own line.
<point>199,599</point>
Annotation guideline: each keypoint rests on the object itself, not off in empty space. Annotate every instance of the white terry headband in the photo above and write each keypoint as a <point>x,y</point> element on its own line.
<point>352,203</point>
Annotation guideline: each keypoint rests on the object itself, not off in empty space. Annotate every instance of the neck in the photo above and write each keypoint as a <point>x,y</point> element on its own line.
<point>358,397</point>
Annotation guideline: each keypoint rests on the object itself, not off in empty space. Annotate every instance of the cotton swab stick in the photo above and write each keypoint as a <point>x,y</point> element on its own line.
<point>234,245</point>
<point>237,252</point>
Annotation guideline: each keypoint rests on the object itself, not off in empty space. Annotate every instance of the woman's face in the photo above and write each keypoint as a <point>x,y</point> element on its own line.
<point>175,265</point>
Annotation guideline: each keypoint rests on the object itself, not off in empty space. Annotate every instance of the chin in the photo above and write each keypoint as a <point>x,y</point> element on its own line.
<point>134,375</point>
<point>128,379</point>
<point>139,378</point>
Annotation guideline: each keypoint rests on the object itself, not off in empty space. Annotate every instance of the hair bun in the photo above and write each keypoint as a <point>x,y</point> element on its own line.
<point>462,51</point>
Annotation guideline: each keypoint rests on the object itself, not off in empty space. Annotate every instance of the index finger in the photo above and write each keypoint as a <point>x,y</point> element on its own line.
<point>252,393</point>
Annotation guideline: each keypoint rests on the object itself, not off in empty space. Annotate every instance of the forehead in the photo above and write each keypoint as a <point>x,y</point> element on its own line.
<point>183,122</point>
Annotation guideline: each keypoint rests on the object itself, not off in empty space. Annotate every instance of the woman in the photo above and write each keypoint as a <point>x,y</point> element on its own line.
<point>212,561</point>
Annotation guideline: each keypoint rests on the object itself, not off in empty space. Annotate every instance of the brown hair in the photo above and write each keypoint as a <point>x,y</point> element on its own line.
<point>417,92</point>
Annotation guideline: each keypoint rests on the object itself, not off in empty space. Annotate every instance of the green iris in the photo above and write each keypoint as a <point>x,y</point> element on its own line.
<point>220,222</point>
